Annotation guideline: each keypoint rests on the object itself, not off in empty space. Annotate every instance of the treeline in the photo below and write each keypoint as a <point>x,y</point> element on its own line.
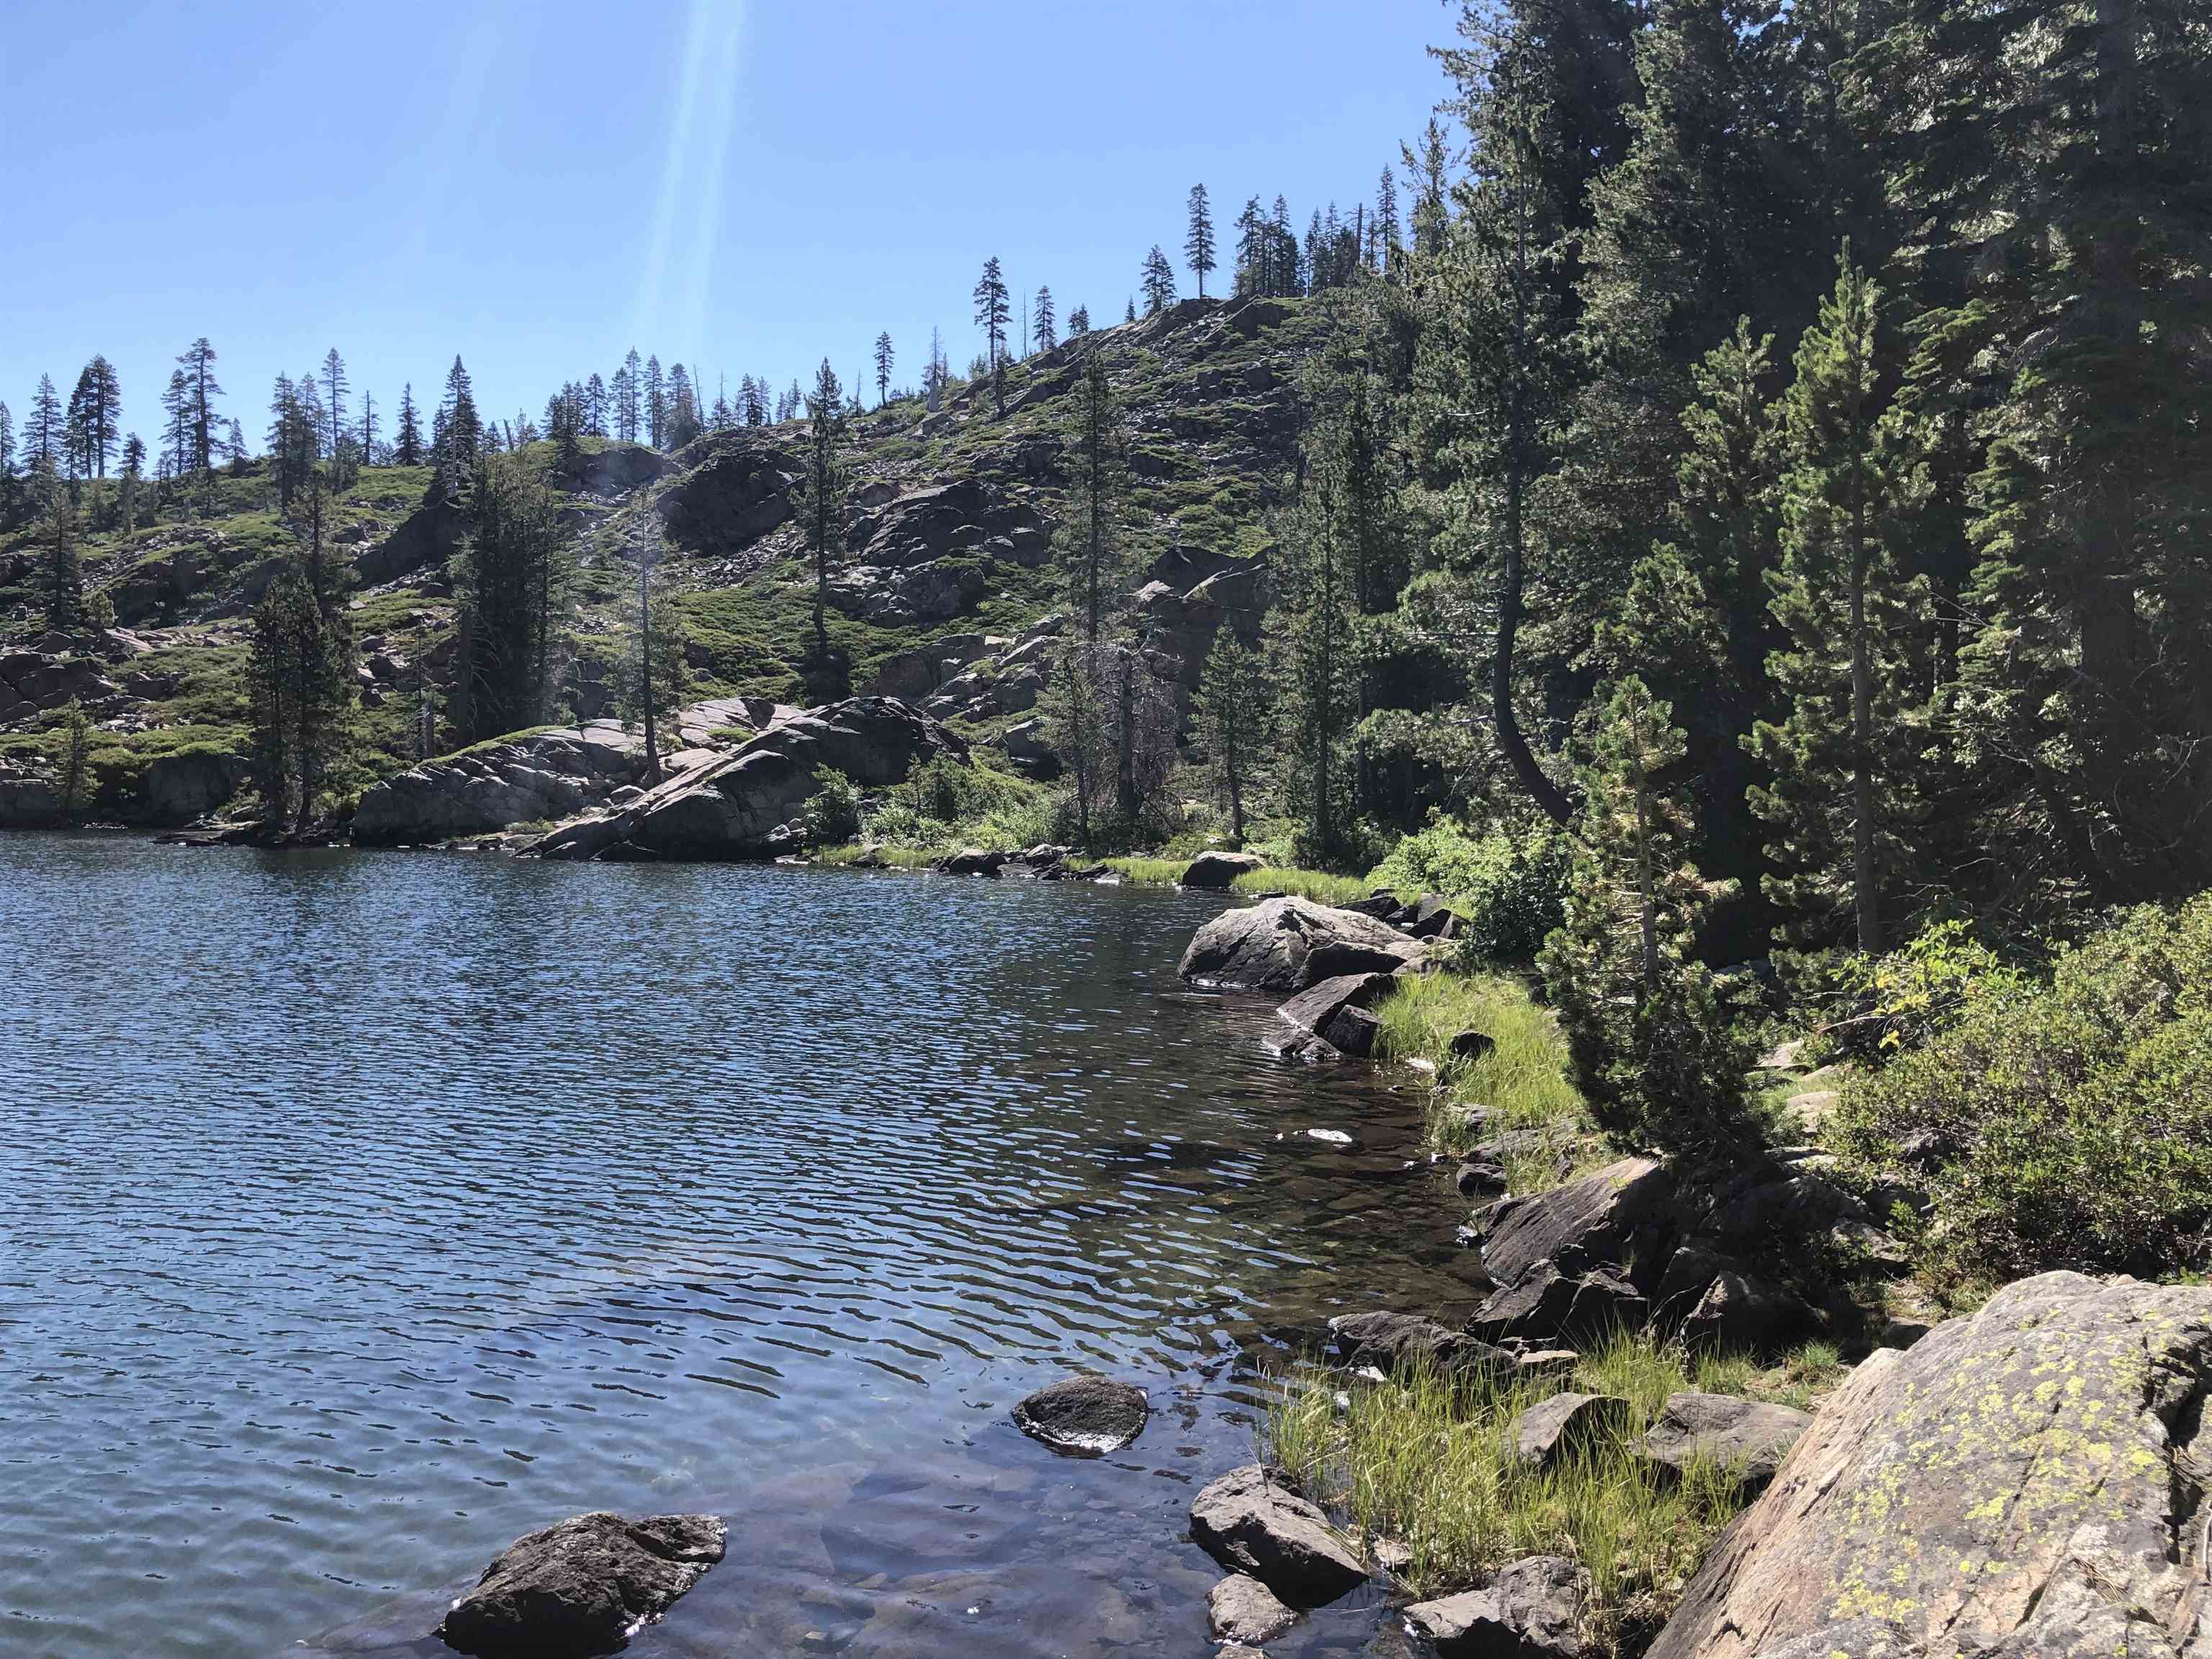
<point>1779,467</point>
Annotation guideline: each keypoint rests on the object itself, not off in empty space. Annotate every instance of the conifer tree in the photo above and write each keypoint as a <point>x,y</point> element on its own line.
<point>45,430</point>
<point>367,429</point>
<point>299,693</point>
<point>94,418</point>
<point>883,360</point>
<point>1046,335</point>
<point>71,743</point>
<point>1160,283</point>
<point>1089,536</point>
<point>822,491</point>
<point>992,312</point>
<point>654,392</point>
<point>1314,634</point>
<point>62,578</point>
<point>1198,243</point>
<point>199,364</point>
<point>1842,758</point>
<point>458,437</point>
<point>1428,171</point>
<point>407,447</point>
<point>132,483</point>
<point>335,387</point>
<point>6,466</point>
<point>1655,1057</point>
<point>1388,244</point>
<point>1129,311</point>
<point>511,583</point>
<point>595,406</point>
<point>1233,712</point>
<point>1079,322</point>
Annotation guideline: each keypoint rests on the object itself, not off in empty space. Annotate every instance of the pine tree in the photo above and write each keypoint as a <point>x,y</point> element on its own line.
<point>335,387</point>
<point>1197,243</point>
<point>133,481</point>
<point>1233,712</point>
<point>1160,283</point>
<point>883,360</point>
<point>299,694</point>
<point>1079,322</point>
<point>822,491</point>
<point>1046,334</point>
<point>595,406</point>
<point>1653,1052</point>
<point>64,575</point>
<point>71,743</point>
<point>6,467</point>
<point>512,584</point>
<point>1388,245</point>
<point>45,430</point>
<point>654,391</point>
<point>629,389</point>
<point>1314,631</point>
<point>1090,537</point>
<point>407,447</point>
<point>199,364</point>
<point>459,437</point>
<point>991,316</point>
<point>1129,311</point>
<point>94,418</point>
<point>1842,759</point>
<point>1428,172</point>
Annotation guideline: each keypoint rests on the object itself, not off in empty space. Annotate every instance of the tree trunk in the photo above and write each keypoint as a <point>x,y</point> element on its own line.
<point>1125,770</point>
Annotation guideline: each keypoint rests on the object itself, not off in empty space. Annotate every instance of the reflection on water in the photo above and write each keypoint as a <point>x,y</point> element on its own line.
<point>364,1212</point>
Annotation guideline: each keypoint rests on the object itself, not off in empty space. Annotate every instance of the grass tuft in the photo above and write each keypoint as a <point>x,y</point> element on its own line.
<point>1426,1459</point>
<point>1318,885</point>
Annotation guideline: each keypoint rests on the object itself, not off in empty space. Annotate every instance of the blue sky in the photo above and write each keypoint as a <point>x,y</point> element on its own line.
<point>738,184</point>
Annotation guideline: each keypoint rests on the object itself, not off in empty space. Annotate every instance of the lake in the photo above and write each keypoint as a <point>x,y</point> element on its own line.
<point>362,1211</point>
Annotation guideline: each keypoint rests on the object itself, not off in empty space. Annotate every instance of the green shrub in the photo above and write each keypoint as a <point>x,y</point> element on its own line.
<point>1873,1008</point>
<point>2060,1125</point>
<point>832,813</point>
<point>1507,889</point>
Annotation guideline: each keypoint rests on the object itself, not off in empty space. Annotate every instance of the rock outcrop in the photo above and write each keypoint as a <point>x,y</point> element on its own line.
<point>579,1588</point>
<point>549,776</point>
<point>739,806</point>
<point>1084,1416</point>
<point>2027,1481</point>
<point>1748,1438</point>
<point>1557,1427</point>
<point>1337,1014</point>
<point>1385,1340</point>
<point>1214,872</point>
<point>1251,1523</point>
<point>1289,943</point>
<point>1240,1608</point>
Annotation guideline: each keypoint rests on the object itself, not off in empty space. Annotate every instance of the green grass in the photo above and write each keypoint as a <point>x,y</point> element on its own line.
<point>1427,1459</point>
<point>1522,1079</point>
<point>1319,885</point>
<point>896,858</point>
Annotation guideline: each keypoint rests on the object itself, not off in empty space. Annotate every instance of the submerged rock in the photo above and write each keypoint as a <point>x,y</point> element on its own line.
<point>1240,1608</point>
<point>1288,944</point>
<point>580,1587</point>
<point>1530,1610</point>
<point>1251,1523</point>
<point>1084,1416</point>
<point>2029,1481</point>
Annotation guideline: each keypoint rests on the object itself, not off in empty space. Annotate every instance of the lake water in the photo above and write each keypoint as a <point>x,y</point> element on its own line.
<point>358,1213</point>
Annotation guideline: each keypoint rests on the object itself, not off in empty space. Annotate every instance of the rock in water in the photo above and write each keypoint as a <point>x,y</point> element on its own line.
<point>1749,1437</point>
<point>1385,1340</point>
<point>580,1587</point>
<point>1288,944</point>
<point>1084,1416</point>
<point>1531,1610</point>
<point>1212,872</point>
<point>1243,1609</point>
<point>2027,1481</point>
<point>1253,1523</point>
<point>1336,1011</point>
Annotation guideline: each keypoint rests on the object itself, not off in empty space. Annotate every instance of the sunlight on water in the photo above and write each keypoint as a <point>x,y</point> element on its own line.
<point>364,1212</point>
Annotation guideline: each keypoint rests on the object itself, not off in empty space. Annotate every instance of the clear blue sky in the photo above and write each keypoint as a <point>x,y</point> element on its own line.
<point>739,185</point>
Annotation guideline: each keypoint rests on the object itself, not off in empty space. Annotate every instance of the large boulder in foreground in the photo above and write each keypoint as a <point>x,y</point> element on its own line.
<point>1339,1011</point>
<point>580,1588</point>
<point>1289,943</point>
<point>2029,1481</point>
<point>1214,872</point>
<point>733,807</point>
<point>1084,1416</point>
<point>1251,1523</point>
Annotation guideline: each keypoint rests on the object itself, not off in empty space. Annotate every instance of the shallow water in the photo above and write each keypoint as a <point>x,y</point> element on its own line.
<point>361,1211</point>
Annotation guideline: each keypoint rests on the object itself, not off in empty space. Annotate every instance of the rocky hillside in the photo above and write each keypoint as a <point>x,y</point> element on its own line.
<point>944,598</point>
